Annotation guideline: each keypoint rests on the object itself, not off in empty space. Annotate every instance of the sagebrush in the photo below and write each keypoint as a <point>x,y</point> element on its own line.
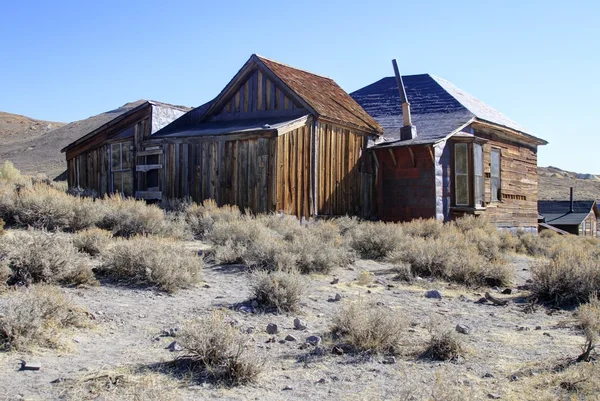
<point>278,290</point>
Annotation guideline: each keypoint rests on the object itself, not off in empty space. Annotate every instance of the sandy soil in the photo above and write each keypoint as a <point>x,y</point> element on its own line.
<point>129,323</point>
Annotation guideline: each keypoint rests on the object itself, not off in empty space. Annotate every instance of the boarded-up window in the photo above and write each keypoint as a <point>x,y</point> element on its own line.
<point>495,175</point>
<point>478,173</point>
<point>120,168</point>
<point>461,174</point>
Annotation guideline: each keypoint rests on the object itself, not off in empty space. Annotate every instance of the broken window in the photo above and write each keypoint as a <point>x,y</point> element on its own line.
<point>120,168</point>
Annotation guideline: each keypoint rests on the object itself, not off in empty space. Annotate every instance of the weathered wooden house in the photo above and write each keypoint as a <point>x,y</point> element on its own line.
<point>575,217</point>
<point>446,154</point>
<point>275,139</point>
<point>104,158</point>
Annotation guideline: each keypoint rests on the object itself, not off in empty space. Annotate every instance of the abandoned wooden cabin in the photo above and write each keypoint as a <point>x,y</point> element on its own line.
<point>445,154</point>
<point>103,160</point>
<point>276,139</point>
<point>574,217</point>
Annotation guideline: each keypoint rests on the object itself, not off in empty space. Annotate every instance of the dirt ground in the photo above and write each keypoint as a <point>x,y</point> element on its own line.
<point>504,350</point>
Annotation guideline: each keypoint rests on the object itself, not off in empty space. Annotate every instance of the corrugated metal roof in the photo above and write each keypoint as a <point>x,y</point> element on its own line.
<point>438,108</point>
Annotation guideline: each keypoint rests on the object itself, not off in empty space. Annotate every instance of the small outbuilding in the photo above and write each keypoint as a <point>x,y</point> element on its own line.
<point>575,217</point>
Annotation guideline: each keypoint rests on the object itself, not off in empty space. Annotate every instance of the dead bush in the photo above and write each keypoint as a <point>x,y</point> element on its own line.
<point>34,316</point>
<point>9,173</point>
<point>201,218</point>
<point>425,228</point>
<point>40,257</point>
<point>1,227</point>
<point>376,240</point>
<point>346,224</point>
<point>277,290</point>
<point>589,318</point>
<point>221,352</point>
<point>92,241</point>
<point>570,277</point>
<point>370,328</point>
<point>320,248</point>
<point>444,346</point>
<point>151,261</point>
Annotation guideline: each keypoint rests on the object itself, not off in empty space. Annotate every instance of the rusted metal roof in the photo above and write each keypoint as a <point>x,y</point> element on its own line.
<point>323,95</point>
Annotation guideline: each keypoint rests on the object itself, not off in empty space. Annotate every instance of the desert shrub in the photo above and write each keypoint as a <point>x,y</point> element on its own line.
<point>220,350</point>
<point>589,318</point>
<point>483,234</point>
<point>570,277</point>
<point>278,290</point>
<point>1,227</point>
<point>425,228</point>
<point>150,261</point>
<point>451,256</point>
<point>201,218</point>
<point>370,328</point>
<point>33,316</point>
<point>40,257</point>
<point>365,277</point>
<point>127,217</point>
<point>43,206</point>
<point>320,248</point>
<point>346,224</point>
<point>92,241</point>
<point>176,205</point>
<point>9,173</point>
<point>508,241</point>
<point>375,240</point>
<point>444,346</point>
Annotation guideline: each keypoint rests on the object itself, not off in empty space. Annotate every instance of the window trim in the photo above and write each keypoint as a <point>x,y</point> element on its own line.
<point>122,144</point>
<point>498,196</point>
<point>472,202</point>
<point>455,174</point>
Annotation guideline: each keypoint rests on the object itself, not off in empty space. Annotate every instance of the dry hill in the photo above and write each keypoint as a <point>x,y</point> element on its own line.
<point>554,184</point>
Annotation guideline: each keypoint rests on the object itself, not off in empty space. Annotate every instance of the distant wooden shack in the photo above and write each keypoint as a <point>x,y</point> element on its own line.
<point>103,159</point>
<point>574,217</point>
<point>276,139</point>
<point>454,156</point>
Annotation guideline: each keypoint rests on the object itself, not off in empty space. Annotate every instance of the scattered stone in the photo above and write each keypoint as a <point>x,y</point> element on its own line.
<point>290,337</point>
<point>313,340</point>
<point>464,298</point>
<point>245,309</point>
<point>337,350</point>
<point>496,301</point>
<point>494,396</point>
<point>368,291</point>
<point>319,351</point>
<point>548,334</point>
<point>174,347</point>
<point>170,332</point>
<point>304,346</point>
<point>463,329</point>
<point>380,303</point>
<point>433,294</point>
<point>299,324</point>
<point>488,376</point>
<point>538,327</point>
<point>337,297</point>
<point>496,288</point>
<point>507,291</point>
<point>390,286</point>
<point>335,378</point>
<point>522,328</point>
<point>287,388</point>
<point>335,280</point>
<point>250,330</point>
<point>31,365</point>
<point>322,381</point>
<point>206,286</point>
<point>271,340</point>
<point>59,380</point>
<point>272,328</point>
<point>514,378</point>
<point>254,303</point>
<point>381,281</point>
<point>390,360</point>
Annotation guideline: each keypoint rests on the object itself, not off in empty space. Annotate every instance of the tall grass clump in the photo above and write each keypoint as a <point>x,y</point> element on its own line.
<point>278,290</point>
<point>9,173</point>
<point>35,316</point>
<point>444,346</point>
<point>201,218</point>
<point>40,257</point>
<point>375,240</point>
<point>92,241</point>
<point>153,262</point>
<point>571,276</point>
<point>370,328</point>
<point>220,351</point>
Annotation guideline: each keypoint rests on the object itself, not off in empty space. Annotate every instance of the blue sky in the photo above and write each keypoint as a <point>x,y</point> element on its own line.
<point>538,62</point>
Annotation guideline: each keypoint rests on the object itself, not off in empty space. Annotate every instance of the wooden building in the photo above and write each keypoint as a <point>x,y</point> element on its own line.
<point>575,217</point>
<point>103,159</point>
<point>276,139</point>
<point>448,154</point>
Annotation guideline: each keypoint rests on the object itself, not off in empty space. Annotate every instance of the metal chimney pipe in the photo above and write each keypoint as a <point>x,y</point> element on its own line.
<point>571,208</point>
<point>405,104</point>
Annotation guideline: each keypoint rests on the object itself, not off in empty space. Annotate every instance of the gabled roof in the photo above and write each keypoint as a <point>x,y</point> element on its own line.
<point>438,109</point>
<point>322,94</point>
<point>319,95</point>
<point>557,212</point>
<point>91,126</point>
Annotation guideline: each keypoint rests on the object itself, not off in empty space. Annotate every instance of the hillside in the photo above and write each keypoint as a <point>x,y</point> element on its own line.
<point>554,184</point>
<point>34,146</point>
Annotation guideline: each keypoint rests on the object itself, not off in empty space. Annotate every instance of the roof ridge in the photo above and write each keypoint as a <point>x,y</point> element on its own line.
<point>292,67</point>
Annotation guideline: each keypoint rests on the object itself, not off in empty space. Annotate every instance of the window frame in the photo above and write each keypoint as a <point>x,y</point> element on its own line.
<point>123,145</point>
<point>475,195</point>
<point>497,197</point>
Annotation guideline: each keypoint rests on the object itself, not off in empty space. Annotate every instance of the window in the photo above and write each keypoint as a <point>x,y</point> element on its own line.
<point>478,173</point>
<point>461,174</point>
<point>495,175</point>
<point>120,168</point>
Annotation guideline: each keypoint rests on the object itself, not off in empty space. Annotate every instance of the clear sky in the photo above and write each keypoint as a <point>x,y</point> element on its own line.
<point>538,62</point>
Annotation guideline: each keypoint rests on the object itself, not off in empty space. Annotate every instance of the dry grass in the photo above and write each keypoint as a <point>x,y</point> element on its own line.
<point>375,240</point>
<point>571,276</point>
<point>2,227</point>
<point>278,290</point>
<point>220,351</point>
<point>589,318</point>
<point>444,346</point>
<point>370,328</point>
<point>40,257</point>
<point>151,261</point>
<point>201,218</point>
<point>35,316</point>
<point>9,173</point>
<point>92,241</point>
